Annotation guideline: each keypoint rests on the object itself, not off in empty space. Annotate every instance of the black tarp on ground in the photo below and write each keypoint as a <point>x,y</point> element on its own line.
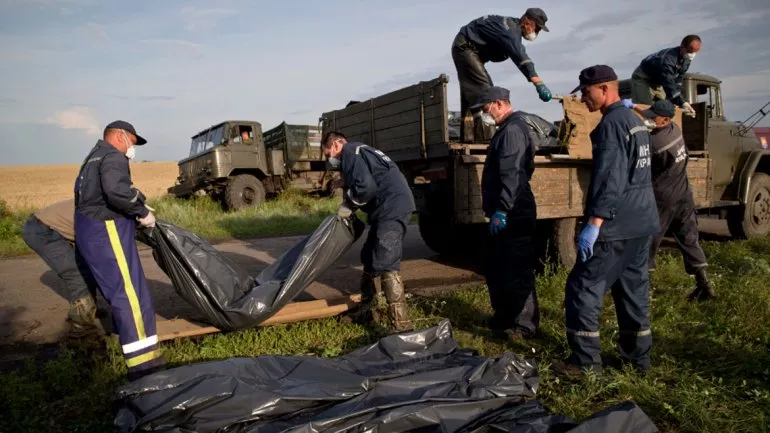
<point>229,297</point>
<point>412,382</point>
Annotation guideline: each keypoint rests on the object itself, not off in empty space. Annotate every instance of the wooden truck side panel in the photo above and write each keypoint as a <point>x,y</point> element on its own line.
<point>407,124</point>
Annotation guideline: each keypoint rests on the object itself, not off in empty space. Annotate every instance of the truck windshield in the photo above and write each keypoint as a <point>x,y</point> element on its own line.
<point>206,140</point>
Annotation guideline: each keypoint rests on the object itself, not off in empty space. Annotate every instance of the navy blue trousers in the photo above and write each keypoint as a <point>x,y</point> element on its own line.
<point>621,267</point>
<point>384,246</point>
<point>60,255</point>
<point>109,249</point>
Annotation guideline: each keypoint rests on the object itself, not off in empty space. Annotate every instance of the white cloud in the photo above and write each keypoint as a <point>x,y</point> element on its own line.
<point>77,117</point>
<point>94,31</point>
<point>199,19</point>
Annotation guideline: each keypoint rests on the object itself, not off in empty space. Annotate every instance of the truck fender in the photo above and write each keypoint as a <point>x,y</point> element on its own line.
<point>752,162</point>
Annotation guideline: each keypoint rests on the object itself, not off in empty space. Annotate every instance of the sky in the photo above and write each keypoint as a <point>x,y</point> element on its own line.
<point>172,67</point>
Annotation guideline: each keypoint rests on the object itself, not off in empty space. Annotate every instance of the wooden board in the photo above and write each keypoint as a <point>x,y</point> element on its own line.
<point>578,122</point>
<point>559,188</point>
<point>168,329</point>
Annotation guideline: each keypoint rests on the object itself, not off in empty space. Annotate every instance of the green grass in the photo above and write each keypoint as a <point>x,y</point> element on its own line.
<point>710,373</point>
<point>292,213</point>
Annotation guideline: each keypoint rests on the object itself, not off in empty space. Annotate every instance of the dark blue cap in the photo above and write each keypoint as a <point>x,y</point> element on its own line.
<point>538,16</point>
<point>491,94</point>
<point>594,75</point>
<point>121,124</point>
<point>663,108</point>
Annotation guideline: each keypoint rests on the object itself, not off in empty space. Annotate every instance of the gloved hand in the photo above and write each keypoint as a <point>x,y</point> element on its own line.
<point>543,92</point>
<point>147,221</point>
<point>688,110</point>
<point>628,103</point>
<point>586,241</point>
<point>344,211</point>
<point>498,222</point>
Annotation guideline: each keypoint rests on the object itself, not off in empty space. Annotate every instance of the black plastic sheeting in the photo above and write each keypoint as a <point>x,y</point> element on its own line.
<point>419,381</point>
<point>229,297</point>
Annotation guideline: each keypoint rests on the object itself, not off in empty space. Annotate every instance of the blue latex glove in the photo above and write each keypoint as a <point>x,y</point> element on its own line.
<point>586,241</point>
<point>498,222</point>
<point>628,103</point>
<point>543,92</point>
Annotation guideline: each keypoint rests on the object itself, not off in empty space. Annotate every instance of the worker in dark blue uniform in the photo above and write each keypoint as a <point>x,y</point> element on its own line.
<point>107,208</point>
<point>493,38</point>
<point>676,207</point>
<point>660,75</point>
<point>374,184</point>
<point>614,244</point>
<point>508,202</point>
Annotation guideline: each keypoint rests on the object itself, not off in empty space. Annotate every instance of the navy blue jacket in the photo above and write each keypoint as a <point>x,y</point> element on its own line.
<point>103,188</point>
<point>498,38</point>
<point>621,185</point>
<point>666,68</point>
<point>669,164</point>
<point>374,183</point>
<point>507,171</point>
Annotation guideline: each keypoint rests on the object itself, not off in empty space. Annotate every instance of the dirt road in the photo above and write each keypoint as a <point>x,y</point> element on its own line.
<point>31,311</point>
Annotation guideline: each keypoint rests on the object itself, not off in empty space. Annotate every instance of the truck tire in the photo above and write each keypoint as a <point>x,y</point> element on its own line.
<point>752,219</point>
<point>242,191</point>
<point>563,241</point>
<point>436,233</point>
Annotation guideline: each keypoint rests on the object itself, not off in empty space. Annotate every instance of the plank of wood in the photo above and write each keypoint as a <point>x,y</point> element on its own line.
<point>168,329</point>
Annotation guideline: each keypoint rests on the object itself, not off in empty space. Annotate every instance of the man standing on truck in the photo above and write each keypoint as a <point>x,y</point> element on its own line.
<point>494,38</point>
<point>374,183</point>
<point>107,207</point>
<point>614,245</point>
<point>508,202</point>
<point>660,75</point>
<point>676,208</point>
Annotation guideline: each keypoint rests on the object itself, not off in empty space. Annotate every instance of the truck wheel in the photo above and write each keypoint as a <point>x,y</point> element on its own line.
<point>435,232</point>
<point>563,241</point>
<point>753,218</point>
<point>243,190</point>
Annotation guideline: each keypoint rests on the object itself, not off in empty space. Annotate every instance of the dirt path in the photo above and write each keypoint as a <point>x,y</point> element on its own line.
<point>32,311</point>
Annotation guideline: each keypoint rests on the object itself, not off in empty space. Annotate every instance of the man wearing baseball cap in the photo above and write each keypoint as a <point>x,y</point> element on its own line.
<point>107,207</point>
<point>493,38</point>
<point>676,207</point>
<point>508,201</point>
<point>613,246</point>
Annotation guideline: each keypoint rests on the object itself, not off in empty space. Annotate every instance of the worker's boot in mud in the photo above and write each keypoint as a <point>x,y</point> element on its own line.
<point>365,312</point>
<point>703,289</point>
<point>398,314</point>
<point>82,317</point>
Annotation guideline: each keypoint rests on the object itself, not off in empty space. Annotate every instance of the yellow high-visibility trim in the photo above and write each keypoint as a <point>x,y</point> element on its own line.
<point>128,286</point>
<point>141,359</point>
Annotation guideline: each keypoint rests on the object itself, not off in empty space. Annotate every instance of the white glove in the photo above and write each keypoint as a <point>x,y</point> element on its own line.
<point>344,211</point>
<point>148,221</point>
<point>688,110</point>
<point>149,208</point>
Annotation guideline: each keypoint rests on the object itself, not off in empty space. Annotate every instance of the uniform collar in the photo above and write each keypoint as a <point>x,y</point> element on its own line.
<point>614,107</point>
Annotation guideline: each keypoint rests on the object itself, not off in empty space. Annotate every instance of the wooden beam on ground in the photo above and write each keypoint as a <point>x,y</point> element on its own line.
<point>169,329</point>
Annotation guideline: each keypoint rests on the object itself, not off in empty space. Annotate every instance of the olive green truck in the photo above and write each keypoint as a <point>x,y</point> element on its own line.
<point>729,172</point>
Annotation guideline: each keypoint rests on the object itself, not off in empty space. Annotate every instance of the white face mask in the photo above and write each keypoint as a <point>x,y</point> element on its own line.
<point>530,36</point>
<point>131,152</point>
<point>690,56</point>
<point>334,162</point>
<point>488,119</point>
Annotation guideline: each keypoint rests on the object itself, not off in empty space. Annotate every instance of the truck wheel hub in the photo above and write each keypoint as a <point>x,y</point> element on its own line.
<point>248,195</point>
<point>762,207</point>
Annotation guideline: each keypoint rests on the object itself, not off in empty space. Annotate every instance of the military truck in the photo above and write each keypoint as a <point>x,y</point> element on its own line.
<point>241,172</point>
<point>728,172</point>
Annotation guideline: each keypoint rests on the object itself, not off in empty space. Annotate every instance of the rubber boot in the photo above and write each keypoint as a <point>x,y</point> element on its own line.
<point>82,317</point>
<point>398,315</point>
<point>365,312</point>
<point>703,289</point>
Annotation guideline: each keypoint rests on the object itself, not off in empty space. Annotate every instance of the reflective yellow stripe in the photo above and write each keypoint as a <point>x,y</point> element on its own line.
<point>141,359</point>
<point>128,286</point>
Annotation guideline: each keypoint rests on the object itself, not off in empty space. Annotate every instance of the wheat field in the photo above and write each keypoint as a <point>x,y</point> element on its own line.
<point>36,186</point>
